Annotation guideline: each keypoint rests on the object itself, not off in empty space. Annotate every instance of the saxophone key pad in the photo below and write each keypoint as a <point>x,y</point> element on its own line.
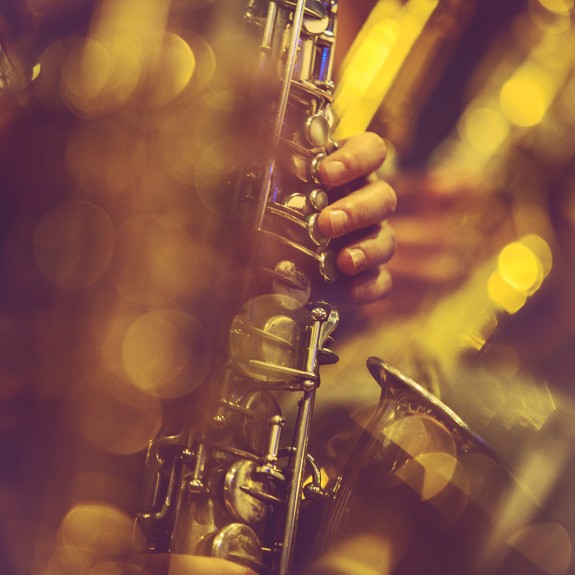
<point>317,130</point>
<point>314,232</point>
<point>240,483</point>
<point>318,199</point>
<point>314,168</point>
<point>328,266</point>
<point>292,281</point>
<point>237,542</point>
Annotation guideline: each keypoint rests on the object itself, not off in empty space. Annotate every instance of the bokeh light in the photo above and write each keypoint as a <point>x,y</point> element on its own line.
<point>504,296</point>
<point>102,487</point>
<point>362,554</point>
<point>166,353</point>
<point>485,129</point>
<point>73,244</point>
<point>520,267</point>
<point>541,250</point>
<point>546,545</point>
<point>173,76</point>
<point>557,6</point>
<point>432,452</point>
<point>47,84</point>
<point>100,528</point>
<point>526,96</point>
<point>97,78</point>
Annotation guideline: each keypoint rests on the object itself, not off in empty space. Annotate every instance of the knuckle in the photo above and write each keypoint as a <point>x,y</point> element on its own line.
<point>386,198</point>
<point>364,155</point>
<point>385,281</point>
<point>392,238</point>
<point>378,145</point>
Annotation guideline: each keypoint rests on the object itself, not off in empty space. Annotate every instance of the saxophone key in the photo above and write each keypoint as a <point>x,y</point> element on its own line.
<point>264,411</point>
<point>238,542</point>
<point>317,130</point>
<point>242,484</point>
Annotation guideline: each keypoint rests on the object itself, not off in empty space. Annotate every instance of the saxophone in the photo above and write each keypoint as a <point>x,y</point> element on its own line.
<point>230,487</point>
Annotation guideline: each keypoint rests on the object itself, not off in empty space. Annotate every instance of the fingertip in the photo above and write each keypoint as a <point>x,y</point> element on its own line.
<point>332,171</point>
<point>351,261</point>
<point>333,222</point>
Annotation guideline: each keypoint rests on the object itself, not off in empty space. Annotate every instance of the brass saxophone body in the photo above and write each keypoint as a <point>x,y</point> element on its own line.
<point>230,486</point>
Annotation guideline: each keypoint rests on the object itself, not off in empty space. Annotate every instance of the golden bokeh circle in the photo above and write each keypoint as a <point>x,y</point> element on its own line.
<point>74,243</point>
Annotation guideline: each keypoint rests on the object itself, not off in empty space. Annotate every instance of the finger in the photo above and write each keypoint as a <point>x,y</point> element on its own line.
<point>358,156</point>
<point>362,208</point>
<point>370,286</point>
<point>373,250</point>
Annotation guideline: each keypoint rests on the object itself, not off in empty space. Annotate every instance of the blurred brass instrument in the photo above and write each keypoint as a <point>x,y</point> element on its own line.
<point>454,507</point>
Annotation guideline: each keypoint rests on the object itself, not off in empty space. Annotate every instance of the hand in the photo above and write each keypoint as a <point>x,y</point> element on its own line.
<point>448,222</point>
<point>176,564</point>
<point>359,219</point>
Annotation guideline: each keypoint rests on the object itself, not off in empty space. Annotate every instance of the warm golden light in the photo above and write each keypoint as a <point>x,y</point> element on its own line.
<point>115,568</point>
<point>47,84</point>
<point>433,454</point>
<point>164,353</point>
<point>503,296</point>
<point>99,528</point>
<point>485,129</point>
<point>428,474</point>
<point>87,70</point>
<point>557,6</point>
<point>541,250</point>
<point>519,267</point>
<point>361,554</point>
<point>36,71</point>
<point>525,97</point>
<point>177,67</point>
<point>74,243</point>
<point>99,77</point>
<point>546,545</point>
<point>89,535</point>
<point>375,60</point>
<point>421,434</point>
<point>101,486</point>
<point>372,53</point>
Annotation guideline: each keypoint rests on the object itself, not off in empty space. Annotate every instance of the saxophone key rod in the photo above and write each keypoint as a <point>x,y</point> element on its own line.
<point>281,110</point>
<point>319,316</point>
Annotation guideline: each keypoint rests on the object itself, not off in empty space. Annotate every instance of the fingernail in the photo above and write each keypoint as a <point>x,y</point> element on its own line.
<point>334,171</point>
<point>357,257</point>
<point>339,221</point>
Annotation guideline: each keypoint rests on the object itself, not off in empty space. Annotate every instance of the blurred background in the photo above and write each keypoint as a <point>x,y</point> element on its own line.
<point>116,137</point>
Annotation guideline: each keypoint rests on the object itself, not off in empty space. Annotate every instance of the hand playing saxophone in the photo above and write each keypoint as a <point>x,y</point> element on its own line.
<point>358,219</point>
